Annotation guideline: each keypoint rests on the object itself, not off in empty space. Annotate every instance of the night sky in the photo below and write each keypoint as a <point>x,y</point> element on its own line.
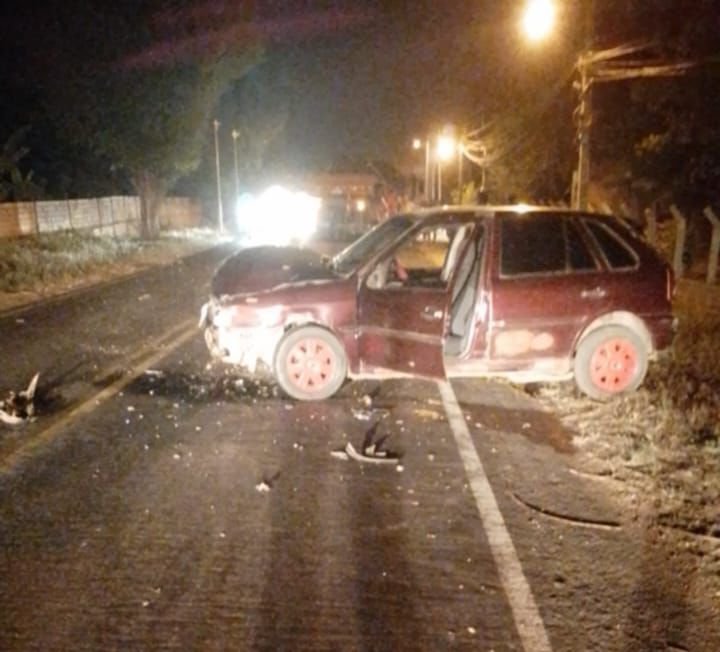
<point>406,70</point>
<point>360,83</point>
<point>355,80</point>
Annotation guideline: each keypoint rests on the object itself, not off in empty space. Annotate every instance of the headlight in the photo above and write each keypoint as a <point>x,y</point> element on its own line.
<point>278,216</point>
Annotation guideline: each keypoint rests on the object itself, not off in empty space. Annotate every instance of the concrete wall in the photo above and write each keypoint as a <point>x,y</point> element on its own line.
<point>115,216</point>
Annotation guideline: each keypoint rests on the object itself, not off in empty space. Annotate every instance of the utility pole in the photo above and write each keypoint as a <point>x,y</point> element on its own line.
<point>221,224</point>
<point>428,181</point>
<point>584,120</point>
<point>439,182</point>
<point>584,112</point>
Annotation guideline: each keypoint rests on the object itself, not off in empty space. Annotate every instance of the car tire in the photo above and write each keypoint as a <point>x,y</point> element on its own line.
<point>610,361</point>
<point>310,363</point>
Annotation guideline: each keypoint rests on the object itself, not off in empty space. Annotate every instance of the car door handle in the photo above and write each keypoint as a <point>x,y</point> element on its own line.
<point>431,314</point>
<point>595,293</point>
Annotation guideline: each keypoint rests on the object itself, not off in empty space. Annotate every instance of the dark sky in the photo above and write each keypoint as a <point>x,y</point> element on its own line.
<point>362,86</point>
<point>413,67</point>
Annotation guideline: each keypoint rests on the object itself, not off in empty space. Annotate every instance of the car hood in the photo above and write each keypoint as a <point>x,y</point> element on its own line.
<point>261,268</point>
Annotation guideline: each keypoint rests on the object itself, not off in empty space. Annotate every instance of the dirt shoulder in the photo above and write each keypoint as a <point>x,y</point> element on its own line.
<point>659,448</point>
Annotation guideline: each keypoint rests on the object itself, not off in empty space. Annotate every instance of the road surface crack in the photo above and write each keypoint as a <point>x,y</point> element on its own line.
<point>572,520</point>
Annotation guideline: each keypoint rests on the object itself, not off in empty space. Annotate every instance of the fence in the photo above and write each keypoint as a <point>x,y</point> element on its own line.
<point>114,216</point>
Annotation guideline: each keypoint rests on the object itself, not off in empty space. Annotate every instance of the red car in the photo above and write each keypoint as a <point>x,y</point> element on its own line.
<point>529,294</point>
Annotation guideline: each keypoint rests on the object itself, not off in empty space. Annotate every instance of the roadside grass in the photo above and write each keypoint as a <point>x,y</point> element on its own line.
<point>663,441</point>
<point>35,263</point>
<point>27,263</point>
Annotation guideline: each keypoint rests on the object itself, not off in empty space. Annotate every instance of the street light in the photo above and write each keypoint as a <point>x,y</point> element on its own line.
<point>539,19</point>
<point>221,225</point>
<point>445,148</point>
<point>235,134</point>
<point>594,66</point>
<point>538,22</point>
<point>418,144</point>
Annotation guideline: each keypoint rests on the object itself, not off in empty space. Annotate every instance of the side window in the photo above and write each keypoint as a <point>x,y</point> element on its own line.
<point>425,260</point>
<point>617,252</point>
<point>420,261</point>
<point>579,256</point>
<point>532,244</point>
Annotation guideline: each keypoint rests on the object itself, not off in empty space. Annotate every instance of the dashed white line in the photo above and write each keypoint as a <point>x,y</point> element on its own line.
<point>528,622</point>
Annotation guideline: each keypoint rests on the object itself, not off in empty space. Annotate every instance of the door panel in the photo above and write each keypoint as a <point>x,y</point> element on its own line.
<point>402,329</point>
<point>402,303</point>
<point>546,285</point>
<point>540,317</point>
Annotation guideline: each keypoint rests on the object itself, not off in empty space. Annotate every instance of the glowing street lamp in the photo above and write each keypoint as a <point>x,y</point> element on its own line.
<point>445,148</point>
<point>539,19</point>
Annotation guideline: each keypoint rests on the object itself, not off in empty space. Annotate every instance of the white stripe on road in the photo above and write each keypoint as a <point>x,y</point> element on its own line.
<point>142,361</point>
<point>525,612</point>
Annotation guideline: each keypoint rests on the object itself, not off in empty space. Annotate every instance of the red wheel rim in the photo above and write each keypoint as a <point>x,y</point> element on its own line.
<point>310,364</point>
<point>613,365</point>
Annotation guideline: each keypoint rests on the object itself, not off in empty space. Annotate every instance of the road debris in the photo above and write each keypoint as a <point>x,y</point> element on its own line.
<point>369,455</point>
<point>362,415</point>
<point>424,413</point>
<point>18,408</point>
<point>371,450</point>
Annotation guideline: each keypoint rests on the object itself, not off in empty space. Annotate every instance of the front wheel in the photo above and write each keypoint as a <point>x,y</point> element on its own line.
<point>310,363</point>
<point>610,361</point>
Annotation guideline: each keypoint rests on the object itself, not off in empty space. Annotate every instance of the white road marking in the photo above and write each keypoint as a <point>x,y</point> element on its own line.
<point>167,342</point>
<point>524,609</point>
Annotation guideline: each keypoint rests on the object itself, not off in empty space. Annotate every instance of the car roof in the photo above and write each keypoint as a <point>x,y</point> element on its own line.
<point>498,208</point>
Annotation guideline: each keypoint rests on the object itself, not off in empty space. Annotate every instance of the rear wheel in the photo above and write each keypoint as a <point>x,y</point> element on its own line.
<point>610,361</point>
<point>310,363</point>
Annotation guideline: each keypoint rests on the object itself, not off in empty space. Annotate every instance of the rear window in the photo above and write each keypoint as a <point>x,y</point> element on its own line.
<point>580,257</point>
<point>532,244</point>
<point>543,244</point>
<point>617,252</point>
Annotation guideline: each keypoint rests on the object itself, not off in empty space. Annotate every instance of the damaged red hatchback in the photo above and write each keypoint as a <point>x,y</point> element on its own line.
<point>529,294</point>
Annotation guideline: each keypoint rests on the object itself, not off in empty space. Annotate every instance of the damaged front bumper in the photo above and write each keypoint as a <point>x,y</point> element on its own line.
<point>241,345</point>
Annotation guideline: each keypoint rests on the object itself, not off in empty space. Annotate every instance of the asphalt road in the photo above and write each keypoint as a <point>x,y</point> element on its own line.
<point>156,504</point>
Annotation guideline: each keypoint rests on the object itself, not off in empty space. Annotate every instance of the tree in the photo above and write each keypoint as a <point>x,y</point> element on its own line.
<point>14,185</point>
<point>146,99</point>
<point>662,134</point>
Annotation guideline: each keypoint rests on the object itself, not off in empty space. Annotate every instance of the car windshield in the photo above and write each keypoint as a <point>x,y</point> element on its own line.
<point>366,246</point>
